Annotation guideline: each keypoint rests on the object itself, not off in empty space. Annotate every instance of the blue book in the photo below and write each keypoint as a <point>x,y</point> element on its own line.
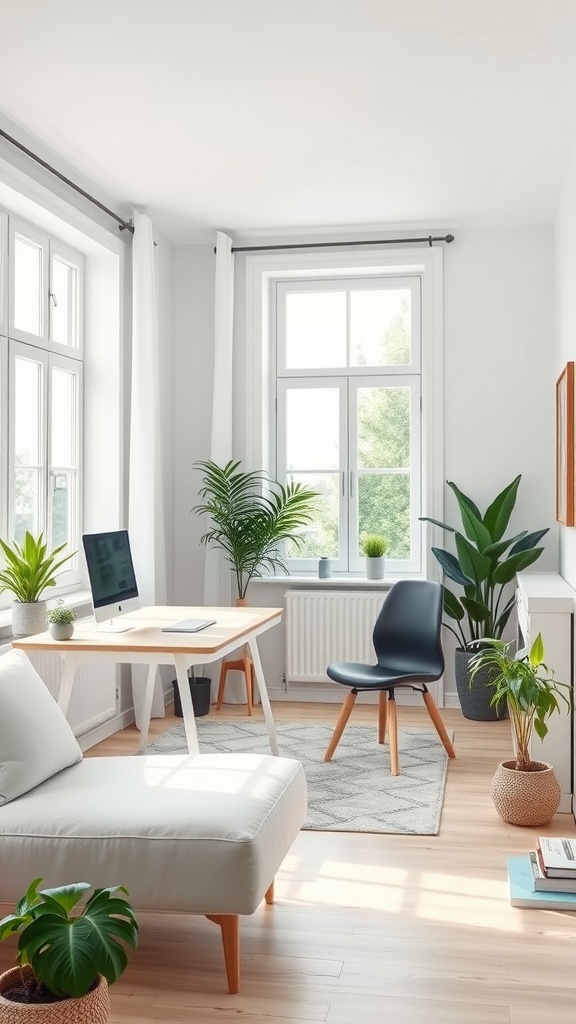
<point>523,894</point>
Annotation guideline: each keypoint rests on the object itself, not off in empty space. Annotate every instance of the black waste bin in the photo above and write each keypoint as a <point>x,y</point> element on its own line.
<point>200,693</point>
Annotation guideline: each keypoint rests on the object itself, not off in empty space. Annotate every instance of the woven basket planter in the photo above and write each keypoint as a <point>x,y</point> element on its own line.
<point>525,798</point>
<point>93,1008</point>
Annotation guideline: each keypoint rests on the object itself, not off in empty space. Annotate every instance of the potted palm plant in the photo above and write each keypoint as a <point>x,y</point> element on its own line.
<point>28,571</point>
<point>67,957</point>
<point>525,791</point>
<point>252,516</point>
<point>374,547</point>
<point>483,564</point>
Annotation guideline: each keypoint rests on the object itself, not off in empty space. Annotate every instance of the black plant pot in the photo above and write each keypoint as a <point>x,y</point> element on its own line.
<point>200,693</point>
<point>475,699</point>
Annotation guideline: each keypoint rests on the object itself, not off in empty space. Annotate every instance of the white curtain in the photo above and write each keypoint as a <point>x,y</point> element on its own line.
<point>146,490</point>
<point>217,575</point>
<point>217,578</point>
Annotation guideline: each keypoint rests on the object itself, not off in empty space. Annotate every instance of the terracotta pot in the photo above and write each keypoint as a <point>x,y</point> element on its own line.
<point>525,798</point>
<point>93,1008</point>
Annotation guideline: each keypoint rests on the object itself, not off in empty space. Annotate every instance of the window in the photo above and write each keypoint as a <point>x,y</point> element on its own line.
<point>343,356</point>
<point>348,412</point>
<point>41,370</point>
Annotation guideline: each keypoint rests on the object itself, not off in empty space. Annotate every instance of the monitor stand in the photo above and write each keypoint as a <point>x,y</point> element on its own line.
<point>111,626</point>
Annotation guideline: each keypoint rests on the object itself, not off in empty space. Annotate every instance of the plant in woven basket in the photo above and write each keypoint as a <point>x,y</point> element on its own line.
<point>64,950</point>
<point>527,686</point>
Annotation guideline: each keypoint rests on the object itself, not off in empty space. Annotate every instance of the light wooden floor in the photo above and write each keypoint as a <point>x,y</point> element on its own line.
<point>369,928</point>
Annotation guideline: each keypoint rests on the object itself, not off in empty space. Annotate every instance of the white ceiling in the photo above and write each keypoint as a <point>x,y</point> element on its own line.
<point>285,114</point>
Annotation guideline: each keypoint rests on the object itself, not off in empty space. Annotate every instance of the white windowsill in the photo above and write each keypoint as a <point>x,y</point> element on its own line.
<point>343,581</point>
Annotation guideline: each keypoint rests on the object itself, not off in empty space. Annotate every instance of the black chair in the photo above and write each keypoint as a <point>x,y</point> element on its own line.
<point>409,651</point>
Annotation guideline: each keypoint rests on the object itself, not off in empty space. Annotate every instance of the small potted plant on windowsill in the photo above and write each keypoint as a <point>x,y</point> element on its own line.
<point>61,621</point>
<point>66,957</point>
<point>374,547</point>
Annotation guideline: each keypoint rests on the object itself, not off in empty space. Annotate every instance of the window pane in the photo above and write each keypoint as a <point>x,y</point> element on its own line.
<point>384,507</point>
<point>312,428</point>
<point>64,303</point>
<point>315,329</point>
<point>63,404</point>
<point>383,428</point>
<point>380,327</point>
<point>27,502</point>
<point>27,286</point>
<point>27,409</point>
<point>62,499</point>
<point>319,537</point>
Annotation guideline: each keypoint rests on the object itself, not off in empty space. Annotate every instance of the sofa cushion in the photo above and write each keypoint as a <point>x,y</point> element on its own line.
<point>201,834</point>
<point>36,741</point>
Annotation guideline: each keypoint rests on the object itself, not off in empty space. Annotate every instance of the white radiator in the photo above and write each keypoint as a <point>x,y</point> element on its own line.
<point>324,626</point>
<point>94,695</point>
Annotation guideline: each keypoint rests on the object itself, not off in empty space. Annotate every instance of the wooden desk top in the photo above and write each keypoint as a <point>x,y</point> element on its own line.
<point>145,635</point>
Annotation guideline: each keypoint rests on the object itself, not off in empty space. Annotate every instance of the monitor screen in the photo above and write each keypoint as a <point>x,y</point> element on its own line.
<point>111,572</point>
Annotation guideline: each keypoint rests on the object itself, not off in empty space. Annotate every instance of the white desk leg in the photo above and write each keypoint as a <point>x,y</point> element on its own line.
<point>261,684</point>
<point>69,666</point>
<point>181,663</point>
<point>147,704</point>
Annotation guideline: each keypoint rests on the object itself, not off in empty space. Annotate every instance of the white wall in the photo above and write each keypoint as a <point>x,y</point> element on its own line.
<point>566,325</point>
<point>499,388</point>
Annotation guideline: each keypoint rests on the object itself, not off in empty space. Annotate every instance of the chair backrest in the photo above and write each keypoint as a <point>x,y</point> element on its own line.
<point>407,633</point>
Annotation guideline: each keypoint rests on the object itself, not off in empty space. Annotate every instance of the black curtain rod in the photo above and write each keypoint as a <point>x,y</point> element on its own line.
<point>123,225</point>
<point>323,245</point>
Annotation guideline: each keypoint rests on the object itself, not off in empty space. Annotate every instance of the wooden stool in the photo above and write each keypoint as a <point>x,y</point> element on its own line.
<point>243,664</point>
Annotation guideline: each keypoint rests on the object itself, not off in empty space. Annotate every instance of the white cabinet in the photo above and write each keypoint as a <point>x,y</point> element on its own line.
<point>545,604</point>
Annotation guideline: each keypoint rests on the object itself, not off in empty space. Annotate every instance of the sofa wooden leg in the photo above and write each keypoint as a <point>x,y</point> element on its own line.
<point>229,927</point>
<point>269,895</point>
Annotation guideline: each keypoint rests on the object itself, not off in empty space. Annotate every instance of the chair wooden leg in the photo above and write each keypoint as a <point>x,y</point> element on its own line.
<point>393,735</point>
<point>247,663</point>
<point>382,715</point>
<point>221,685</point>
<point>343,717</point>
<point>229,927</point>
<point>438,723</point>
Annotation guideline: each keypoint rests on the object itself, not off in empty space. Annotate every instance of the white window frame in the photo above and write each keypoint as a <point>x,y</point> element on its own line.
<point>39,348</point>
<point>263,271</point>
<point>21,227</point>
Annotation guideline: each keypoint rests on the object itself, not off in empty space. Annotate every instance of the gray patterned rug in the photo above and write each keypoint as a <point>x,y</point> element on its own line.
<point>355,791</point>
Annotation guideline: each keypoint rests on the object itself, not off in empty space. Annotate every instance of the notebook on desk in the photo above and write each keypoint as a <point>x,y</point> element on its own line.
<point>188,626</point>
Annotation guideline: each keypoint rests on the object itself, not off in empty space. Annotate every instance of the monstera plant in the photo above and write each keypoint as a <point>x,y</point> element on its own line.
<point>484,561</point>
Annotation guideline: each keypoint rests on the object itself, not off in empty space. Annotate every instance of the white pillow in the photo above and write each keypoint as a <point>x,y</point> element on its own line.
<point>36,741</point>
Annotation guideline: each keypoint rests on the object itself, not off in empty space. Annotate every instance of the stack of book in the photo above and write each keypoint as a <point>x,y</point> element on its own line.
<point>546,877</point>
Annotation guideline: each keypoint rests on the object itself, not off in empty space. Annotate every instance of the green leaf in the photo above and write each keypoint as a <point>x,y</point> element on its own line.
<point>67,948</point>
<point>477,611</point>
<point>498,513</point>
<point>451,566</point>
<point>506,571</point>
<point>528,541</point>
<point>471,519</point>
<point>452,605</point>
<point>473,565</point>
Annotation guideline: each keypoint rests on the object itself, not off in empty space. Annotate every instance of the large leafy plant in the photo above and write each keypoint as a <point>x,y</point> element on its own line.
<point>30,568</point>
<point>68,948</point>
<point>483,563</point>
<point>252,515</point>
<point>526,685</point>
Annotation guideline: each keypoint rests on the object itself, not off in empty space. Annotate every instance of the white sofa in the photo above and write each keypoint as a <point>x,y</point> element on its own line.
<point>201,834</point>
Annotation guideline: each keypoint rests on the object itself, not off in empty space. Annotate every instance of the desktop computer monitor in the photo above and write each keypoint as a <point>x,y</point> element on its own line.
<point>112,577</point>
